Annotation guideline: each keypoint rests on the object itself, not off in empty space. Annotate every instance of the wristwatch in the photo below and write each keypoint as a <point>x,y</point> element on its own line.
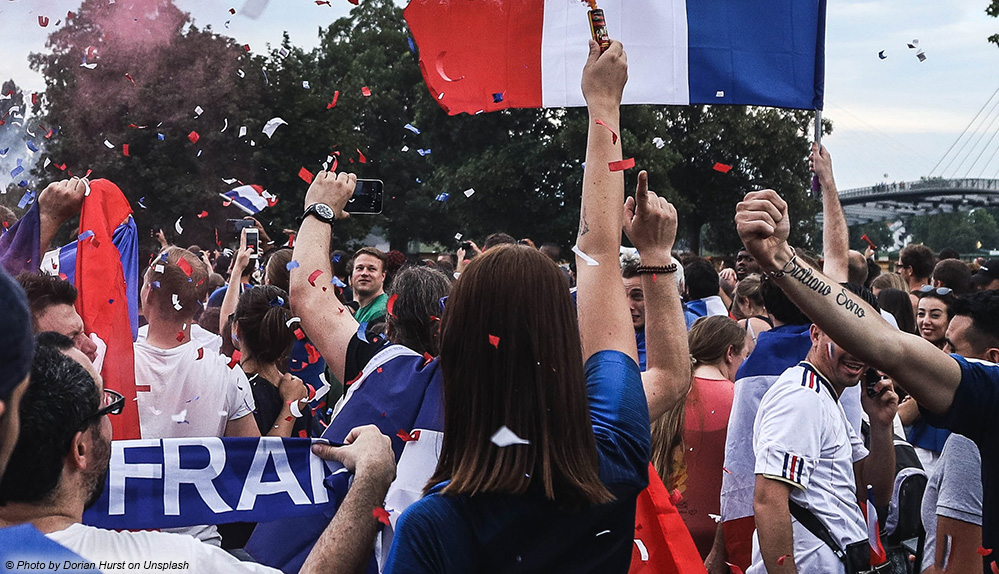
<point>320,211</point>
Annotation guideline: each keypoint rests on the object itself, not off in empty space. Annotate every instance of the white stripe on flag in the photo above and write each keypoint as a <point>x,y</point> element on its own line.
<point>655,38</point>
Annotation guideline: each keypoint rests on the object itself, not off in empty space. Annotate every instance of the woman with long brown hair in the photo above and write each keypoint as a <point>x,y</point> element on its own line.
<point>546,424</point>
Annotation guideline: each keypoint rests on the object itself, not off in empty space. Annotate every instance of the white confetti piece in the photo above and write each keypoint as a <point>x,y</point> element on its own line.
<point>176,302</point>
<point>321,391</point>
<point>715,517</point>
<point>405,148</point>
<point>659,143</point>
<point>241,73</point>
<point>86,186</point>
<point>296,410</point>
<point>89,66</point>
<point>505,437</point>
<point>225,126</point>
<point>589,260</point>
<point>273,124</point>
<point>108,144</point>
<point>720,94</point>
<point>159,268</point>
<point>229,181</point>
<point>469,192</point>
<point>292,321</point>
<point>457,237</point>
<point>305,84</point>
<point>913,44</point>
<point>177,227</point>
<point>179,417</point>
<point>155,411</point>
<point>224,414</point>
<point>602,532</point>
<point>642,550</point>
<point>198,110</point>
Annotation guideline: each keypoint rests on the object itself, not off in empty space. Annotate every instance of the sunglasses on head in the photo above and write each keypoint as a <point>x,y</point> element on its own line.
<point>112,403</point>
<point>944,291</point>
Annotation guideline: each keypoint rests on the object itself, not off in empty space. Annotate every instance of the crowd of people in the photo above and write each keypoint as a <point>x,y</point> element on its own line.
<point>501,410</point>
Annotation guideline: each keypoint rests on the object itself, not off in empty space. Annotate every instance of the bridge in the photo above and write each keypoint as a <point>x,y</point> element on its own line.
<point>902,200</point>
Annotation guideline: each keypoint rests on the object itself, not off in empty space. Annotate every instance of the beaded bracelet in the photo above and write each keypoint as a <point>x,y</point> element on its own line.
<point>645,269</point>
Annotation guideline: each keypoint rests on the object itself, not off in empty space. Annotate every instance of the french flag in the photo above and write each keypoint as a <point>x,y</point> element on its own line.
<point>250,198</point>
<point>878,555</point>
<point>487,56</point>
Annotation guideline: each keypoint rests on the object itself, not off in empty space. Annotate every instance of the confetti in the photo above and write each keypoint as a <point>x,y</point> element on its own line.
<point>193,136</point>
<point>201,353</point>
<point>180,335</point>
<point>198,110</point>
<point>305,84</point>
<point>921,56</point>
<point>292,321</point>
<point>780,560</point>
<point>336,96</point>
<point>124,151</point>
<point>443,196</point>
<point>382,515</point>
<point>176,303</point>
<point>715,517</point>
<point>225,126</point>
<point>983,551</point>
<point>299,334</point>
<point>292,265</point>
<point>423,152</point>
<point>494,341</point>
<point>236,356</point>
<point>272,125</point>
<point>360,157</point>
<point>159,269</point>
<point>622,164</point>
<point>160,137</point>
<point>643,552</point>
<point>659,143</point>
<point>313,276</point>
<point>881,55</point>
<point>337,282</point>
<point>296,411</point>
<point>722,167</point>
<point>457,237</point>
<point>440,69</point>
<point>408,437</point>
<point>613,133</point>
<point>505,437</point>
<point>306,175</point>
<point>589,260</point>
<point>246,47</point>
<point>675,496</point>
<point>366,92</point>
<point>313,354</point>
<point>497,97</point>
<point>43,21</point>
<point>185,266</point>
<point>412,128</point>
<point>108,144</point>
<point>735,569</point>
<point>913,44</point>
<point>469,192</point>
<point>203,215</point>
<point>242,132</point>
<point>177,227</point>
<point>180,417</point>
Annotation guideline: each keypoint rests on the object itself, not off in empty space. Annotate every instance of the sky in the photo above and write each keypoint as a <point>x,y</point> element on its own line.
<point>894,119</point>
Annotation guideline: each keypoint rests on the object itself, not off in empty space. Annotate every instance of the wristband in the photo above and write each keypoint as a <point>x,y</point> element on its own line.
<point>646,269</point>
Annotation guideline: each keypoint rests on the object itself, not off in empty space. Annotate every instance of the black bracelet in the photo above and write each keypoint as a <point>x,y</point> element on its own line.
<point>646,269</point>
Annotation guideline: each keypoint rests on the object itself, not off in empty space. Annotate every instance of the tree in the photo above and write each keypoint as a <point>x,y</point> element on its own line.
<point>993,10</point>
<point>965,231</point>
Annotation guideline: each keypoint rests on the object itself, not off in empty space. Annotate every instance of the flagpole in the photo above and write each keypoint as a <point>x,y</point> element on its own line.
<point>818,139</point>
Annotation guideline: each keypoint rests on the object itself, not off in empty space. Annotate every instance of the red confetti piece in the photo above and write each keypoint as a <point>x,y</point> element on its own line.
<point>312,391</point>
<point>246,47</point>
<point>306,175</point>
<point>303,434</point>
<point>613,133</point>
<point>655,277</point>
<point>232,11</point>
<point>124,150</point>
<point>201,353</point>
<point>43,21</point>
<point>727,471</point>
<point>366,92</point>
<point>321,2</point>
<point>203,215</point>
<point>180,336</point>
<point>185,266</point>
<point>129,78</point>
<point>381,514</point>
<point>314,355</point>
<point>361,157</point>
<point>236,356</point>
<point>390,305</point>
<point>983,551</point>
<point>622,165</point>
<point>675,496</point>
<point>995,568</point>
<point>494,341</point>
<point>735,569</point>
<point>408,437</point>
<point>378,370</point>
<point>722,167</point>
<point>289,418</point>
<point>299,334</point>
<point>194,137</point>
<point>427,357</point>
<point>780,561</point>
<point>336,96</point>
<point>315,275</point>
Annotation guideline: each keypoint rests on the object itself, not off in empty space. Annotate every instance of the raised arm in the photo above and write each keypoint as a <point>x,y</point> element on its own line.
<point>327,322</point>
<point>235,287</point>
<point>835,233</point>
<point>930,375</point>
<point>604,321</point>
<point>650,223</point>
<point>57,204</point>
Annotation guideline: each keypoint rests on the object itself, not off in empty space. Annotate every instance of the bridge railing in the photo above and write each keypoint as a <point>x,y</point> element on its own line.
<point>927,184</point>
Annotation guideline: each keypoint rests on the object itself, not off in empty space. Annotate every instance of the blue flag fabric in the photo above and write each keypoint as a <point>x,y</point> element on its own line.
<point>24,549</point>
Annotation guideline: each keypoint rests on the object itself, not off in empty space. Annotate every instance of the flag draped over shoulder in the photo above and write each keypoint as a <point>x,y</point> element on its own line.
<point>103,300</point>
<point>662,542</point>
<point>487,56</point>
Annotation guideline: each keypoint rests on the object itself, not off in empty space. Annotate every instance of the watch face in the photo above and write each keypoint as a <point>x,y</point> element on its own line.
<point>324,211</point>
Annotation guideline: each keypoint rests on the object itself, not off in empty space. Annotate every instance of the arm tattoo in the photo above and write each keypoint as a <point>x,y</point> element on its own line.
<point>584,227</point>
<point>805,276</point>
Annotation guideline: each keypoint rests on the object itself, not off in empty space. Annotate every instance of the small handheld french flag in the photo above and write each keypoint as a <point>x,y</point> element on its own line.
<point>250,198</point>
<point>878,555</point>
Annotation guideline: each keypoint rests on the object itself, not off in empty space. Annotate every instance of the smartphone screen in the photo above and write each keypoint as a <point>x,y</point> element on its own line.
<point>367,197</point>
<point>253,241</point>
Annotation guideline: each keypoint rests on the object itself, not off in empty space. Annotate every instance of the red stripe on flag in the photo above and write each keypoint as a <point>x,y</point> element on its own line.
<point>502,56</point>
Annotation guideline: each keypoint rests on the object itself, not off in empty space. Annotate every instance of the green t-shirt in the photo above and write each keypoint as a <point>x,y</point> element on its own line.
<point>372,310</point>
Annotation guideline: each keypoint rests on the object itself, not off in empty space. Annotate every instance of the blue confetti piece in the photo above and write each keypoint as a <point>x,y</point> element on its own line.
<point>31,146</point>
<point>337,282</point>
<point>17,171</point>
<point>412,128</point>
<point>277,302</point>
<point>412,47</point>
<point>292,265</point>
<point>497,98</point>
<point>27,198</point>
<point>160,137</point>
<point>23,183</point>
<point>3,152</point>
<point>85,235</point>
<point>418,180</point>
<point>336,258</point>
<point>155,284</point>
<point>141,199</point>
<point>110,301</point>
<point>443,197</point>
<point>423,152</point>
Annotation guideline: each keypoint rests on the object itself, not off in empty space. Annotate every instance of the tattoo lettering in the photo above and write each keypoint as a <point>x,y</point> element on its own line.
<point>843,299</point>
<point>804,274</point>
<point>584,227</point>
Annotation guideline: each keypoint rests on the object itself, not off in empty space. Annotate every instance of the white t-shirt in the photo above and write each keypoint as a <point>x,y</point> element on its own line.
<point>188,396</point>
<point>150,552</point>
<point>802,437</point>
<point>201,336</point>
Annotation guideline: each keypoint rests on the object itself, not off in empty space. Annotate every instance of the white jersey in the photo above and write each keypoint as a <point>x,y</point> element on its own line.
<point>802,437</point>
<point>158,552</point>
<point>201,336</point>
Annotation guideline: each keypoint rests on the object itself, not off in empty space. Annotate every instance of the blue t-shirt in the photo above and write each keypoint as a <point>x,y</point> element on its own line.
<point>24,543</point>
<point>640,341</point>
<point>508,533</point>
<point>974,413</point>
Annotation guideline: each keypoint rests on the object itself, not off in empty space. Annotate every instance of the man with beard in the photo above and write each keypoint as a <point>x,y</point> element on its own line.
<point>60,463</point>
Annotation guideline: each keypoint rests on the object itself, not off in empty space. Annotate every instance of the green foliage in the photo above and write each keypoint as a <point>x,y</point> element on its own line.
<point>963,231</point>
<point>876,231</point>
<point>993,10</point>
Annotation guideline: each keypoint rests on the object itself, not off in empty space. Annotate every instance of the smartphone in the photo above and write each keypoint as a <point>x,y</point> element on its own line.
<point>253,241</point>
<point>871,379</point>
<point>467,246</point>
<point>367,197</point>
<point>237,225</point>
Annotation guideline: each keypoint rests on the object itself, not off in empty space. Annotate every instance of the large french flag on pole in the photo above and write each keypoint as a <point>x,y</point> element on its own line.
<point>250,198</point>
<point>497,54</point>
